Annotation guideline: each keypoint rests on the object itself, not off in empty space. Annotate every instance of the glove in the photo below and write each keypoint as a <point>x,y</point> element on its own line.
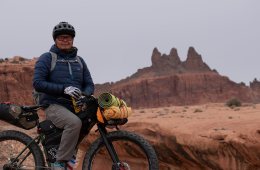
<point>73,92</point>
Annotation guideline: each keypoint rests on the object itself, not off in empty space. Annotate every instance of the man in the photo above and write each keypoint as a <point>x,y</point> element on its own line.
<point>58,85</point>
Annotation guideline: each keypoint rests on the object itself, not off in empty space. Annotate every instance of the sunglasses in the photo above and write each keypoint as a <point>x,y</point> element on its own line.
<point>64,38</point>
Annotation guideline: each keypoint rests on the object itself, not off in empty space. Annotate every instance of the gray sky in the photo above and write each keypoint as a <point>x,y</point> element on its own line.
<point>117,37</point>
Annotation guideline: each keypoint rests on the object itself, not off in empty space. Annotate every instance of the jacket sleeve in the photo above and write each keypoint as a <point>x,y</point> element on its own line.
<point>41,74</point>
<point>88,85</point>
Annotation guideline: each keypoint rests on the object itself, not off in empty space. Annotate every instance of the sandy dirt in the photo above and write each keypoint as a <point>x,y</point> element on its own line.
<point>208,136</point>
<point>213,134</point>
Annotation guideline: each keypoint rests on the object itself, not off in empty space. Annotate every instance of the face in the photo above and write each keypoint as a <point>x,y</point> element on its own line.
<point>64,42</point>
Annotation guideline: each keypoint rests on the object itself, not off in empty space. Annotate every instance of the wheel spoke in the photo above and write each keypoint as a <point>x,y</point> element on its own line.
<point>10,149</point>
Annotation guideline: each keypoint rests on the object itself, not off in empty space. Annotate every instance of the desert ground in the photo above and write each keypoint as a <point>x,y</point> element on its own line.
<point>208,136</point>
<point>212,135</point>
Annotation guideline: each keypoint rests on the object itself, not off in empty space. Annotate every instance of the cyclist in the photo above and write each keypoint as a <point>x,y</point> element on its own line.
<point>58,85</point>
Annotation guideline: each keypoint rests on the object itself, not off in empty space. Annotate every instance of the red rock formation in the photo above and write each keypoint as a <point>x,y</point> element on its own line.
<point>180,89</point>
<point>170,81</point>
<point>163,65</point>
<point>255,86</point>
<point>194,62</point>
<point>171,61</point>
<point>16,83</point>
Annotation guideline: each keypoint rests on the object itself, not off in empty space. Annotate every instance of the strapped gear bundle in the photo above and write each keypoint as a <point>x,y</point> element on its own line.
<point>113,107</point>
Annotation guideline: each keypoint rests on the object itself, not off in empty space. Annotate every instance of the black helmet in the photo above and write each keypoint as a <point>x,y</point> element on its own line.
<point>63,28</point>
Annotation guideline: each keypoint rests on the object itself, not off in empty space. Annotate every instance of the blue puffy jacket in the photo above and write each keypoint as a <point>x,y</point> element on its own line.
<point>52,83</point>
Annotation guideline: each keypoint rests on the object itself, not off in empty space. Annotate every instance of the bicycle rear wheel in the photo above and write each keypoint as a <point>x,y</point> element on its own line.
<point>11,145</point>
<point>133,151</point>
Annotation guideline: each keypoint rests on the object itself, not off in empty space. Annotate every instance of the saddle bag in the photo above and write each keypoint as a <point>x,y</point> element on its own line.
<point>15,115</point>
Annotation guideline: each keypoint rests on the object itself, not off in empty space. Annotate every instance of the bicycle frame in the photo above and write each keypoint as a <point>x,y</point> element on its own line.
<point>88,123</point>
<point>102,131</point>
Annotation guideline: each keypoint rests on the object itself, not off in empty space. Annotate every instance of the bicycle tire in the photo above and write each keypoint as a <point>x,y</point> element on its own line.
<point>125,136</point>
<point>24,139</point>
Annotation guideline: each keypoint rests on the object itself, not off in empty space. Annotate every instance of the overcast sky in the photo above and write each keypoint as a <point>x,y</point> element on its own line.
<point>117,37</point>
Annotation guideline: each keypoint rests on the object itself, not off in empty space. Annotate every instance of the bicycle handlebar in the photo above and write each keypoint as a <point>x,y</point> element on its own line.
<point>34,107</point>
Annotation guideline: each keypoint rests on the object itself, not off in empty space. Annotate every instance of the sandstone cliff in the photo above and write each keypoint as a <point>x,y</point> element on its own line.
<point>169,81</point>
<point>255,86</point>
<point>16,83</point>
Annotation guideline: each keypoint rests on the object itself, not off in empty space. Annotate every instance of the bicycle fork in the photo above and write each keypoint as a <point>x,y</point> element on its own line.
<point>110,148</point>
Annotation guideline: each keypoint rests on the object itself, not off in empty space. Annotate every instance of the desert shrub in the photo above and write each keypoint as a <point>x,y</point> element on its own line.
<point>142,111</point>
<point>166,110</point>
<point>215,70</point>
<point>197,110</point>
<point>233,103</point>
<point>22,59</point>
<point>236,109</point>
<point>14,62</point>
<point>242,83</point>
<point>159,111</point>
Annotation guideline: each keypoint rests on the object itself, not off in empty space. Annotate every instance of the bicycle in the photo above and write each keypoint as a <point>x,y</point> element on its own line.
<point>115,149</point>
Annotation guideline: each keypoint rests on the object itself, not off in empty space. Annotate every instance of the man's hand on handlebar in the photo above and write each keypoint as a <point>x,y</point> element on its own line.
<point>84,99</point>
<point>73,92</point>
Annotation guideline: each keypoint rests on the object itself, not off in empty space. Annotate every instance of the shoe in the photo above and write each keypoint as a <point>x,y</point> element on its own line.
<point>58,166</point>
<point>72,163</point>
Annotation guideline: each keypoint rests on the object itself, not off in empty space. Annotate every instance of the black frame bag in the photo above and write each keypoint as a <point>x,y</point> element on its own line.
<point>51,139</point>
<point>15,115</point>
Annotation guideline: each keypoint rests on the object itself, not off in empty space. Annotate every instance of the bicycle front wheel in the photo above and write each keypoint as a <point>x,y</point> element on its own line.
<point>133,151</point>
<point>12,156</point>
